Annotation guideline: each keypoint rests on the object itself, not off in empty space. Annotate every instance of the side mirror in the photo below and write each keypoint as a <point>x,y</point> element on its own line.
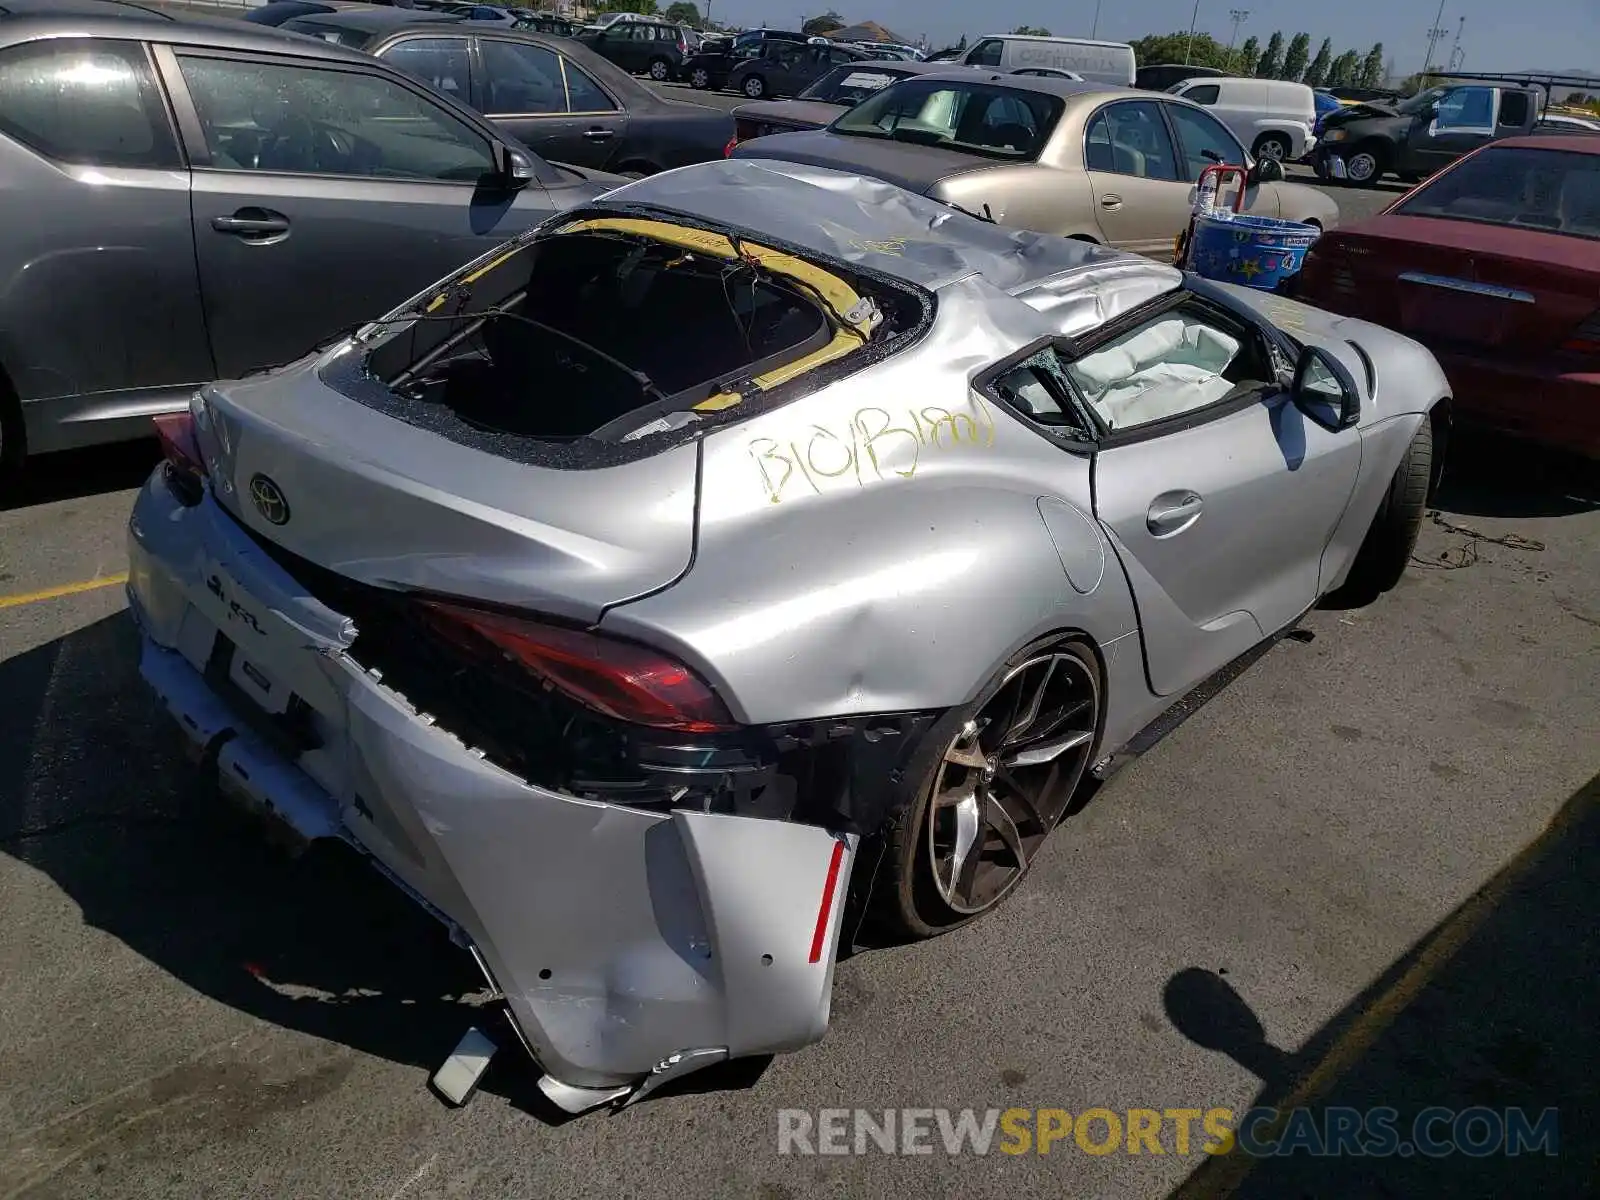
<point>1268,170</point>
<point>513,166</point>
<point>1324,391</point>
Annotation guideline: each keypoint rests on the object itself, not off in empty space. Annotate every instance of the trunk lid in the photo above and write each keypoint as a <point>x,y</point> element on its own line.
<point>383,502</point>
<point>1462,284</point>
<point>915,168</point>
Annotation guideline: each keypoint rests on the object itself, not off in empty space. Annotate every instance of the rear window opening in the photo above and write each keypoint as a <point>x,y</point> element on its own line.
<point>608,334</point>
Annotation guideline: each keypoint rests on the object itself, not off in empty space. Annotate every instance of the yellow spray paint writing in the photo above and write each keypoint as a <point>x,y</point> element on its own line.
<point>877,444</point>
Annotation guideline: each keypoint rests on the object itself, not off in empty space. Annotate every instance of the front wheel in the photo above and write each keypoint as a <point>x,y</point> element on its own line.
<point>1365,167</point>
<point>1386,550</point>
<point>1009,764</point>
<point>700,79</point>
<point>754,87</point>
<point>660,70</point>
<point>1274,146</point>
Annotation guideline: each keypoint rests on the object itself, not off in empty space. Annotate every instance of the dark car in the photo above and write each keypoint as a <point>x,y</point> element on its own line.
<point>1364,142</point>
<point>788,68</point>
<point>1494,265</point>
<point>839,90</point>
<point>209,198</point>
<point>550,93</point>
<point>652,48</point>
<point>712,66</point>
<point>533,21</point>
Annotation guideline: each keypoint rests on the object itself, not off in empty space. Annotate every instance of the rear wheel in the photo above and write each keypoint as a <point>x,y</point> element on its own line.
<point>660,70</point>
<point>700,78</point>
<point>1390,540</point>
<point>13,437</point>
<point>754,87</point>
<point>1009,765</point>
<point>1366,165</point>
<point>1274,146</point>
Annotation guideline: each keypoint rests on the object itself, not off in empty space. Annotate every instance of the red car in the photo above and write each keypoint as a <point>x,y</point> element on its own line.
<point>1494,265</point>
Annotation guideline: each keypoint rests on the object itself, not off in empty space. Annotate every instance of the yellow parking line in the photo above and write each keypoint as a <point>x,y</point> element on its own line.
<point>1221,1177</point>
<point>65,589</point>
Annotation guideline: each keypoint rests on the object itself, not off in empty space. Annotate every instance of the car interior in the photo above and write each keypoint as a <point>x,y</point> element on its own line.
<point>1553,190</point>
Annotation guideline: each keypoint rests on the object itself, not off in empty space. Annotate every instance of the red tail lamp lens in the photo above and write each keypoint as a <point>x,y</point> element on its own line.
<point>620,679</point>
<point>185,466</point>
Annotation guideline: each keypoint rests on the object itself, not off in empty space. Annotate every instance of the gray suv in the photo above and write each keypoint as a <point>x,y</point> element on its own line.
<point>195,201</point>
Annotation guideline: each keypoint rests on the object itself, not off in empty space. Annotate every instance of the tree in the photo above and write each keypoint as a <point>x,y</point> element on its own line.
<point>1174,48</point>
<point>684,13</point>
<point>1317,73</point>
<point>643,7</point>
<point>1246,57</point>
<point>1371,73</point>
<point>1345,70</point>
<point>1031,31</point>
<point>1270,65</point>
<point>1294,59</point>
<point>826,23</point>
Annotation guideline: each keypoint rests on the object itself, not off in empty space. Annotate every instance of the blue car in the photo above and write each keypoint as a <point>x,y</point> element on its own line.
<point>1325,104</point>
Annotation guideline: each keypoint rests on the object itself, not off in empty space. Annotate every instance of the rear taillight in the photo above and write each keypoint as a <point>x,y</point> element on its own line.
<point>733,142</point>
<point>619,679</point>
<point>1585,339</point>
<point>183,464</point>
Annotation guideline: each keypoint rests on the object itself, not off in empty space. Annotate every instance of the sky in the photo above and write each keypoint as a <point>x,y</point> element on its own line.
<point>1552,35</point>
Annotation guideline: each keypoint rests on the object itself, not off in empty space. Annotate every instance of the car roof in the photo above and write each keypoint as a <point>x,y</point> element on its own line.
<point>876,225</point>
<point>372,18</point>
<point>1578,143</point>
<point>80,8</point>
<point>1050,85</point>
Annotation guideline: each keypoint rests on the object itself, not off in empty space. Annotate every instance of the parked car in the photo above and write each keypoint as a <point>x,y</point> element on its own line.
<point>1363,95</point>
<point>1325,103</point>
<point>552,94</point>
<point>1161,76</point>
<point>1101,62</point>
<point>1568,123</point>
<point>533,21</point>
<point>711,67</point>
<point>1494,265</point>
<point>840,89</point>
<point>788,68</point>
<point>1048,72</point>
<point>1272,116</point>
<point>557,605</point>
<point>653,48</point>
<point>1417,137</point>
<point>303,188</point>
<point>1077,159</point>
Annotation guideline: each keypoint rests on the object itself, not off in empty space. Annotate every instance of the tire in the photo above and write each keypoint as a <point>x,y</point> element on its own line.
<point>660,70</point>
<point>920,894</point>
<point>754,87</point>
<point>1274,146</point>
<point>13,435</point>
<point>1366,165</point>
<point>700,79</point>
<point>1386,550</point>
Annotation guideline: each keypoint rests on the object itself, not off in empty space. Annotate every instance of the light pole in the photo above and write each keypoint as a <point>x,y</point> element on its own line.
<point>1434,35</point>
<point>1457,54</point>
<point>1239,16</point>
<point>1193,18</point>
<point>1094,31</point>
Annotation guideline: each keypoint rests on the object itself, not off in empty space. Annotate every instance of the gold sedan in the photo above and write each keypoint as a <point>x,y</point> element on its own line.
<point>1082,160</point>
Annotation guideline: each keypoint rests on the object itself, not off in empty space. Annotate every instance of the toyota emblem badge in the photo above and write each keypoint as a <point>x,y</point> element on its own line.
<point>269,501</point>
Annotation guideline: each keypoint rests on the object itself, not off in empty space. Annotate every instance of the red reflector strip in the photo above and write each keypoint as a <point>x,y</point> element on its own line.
<point>821,933</point>
<point>1581,346</point>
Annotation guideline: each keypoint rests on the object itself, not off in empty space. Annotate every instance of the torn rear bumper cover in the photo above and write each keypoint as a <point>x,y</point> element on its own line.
<point>629,945</point>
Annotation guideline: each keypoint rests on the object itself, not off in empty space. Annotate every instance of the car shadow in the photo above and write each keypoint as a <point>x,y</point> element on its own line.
<point>1490,476</point>
<point>74,474</point>
<point>319,944</point>
<point>1493,1009</point>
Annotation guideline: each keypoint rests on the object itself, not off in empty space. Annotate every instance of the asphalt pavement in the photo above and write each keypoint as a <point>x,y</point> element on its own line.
<point>1364,874</point>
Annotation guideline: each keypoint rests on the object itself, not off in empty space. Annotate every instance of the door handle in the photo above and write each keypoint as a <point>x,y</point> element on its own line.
<point>599,135</point>
<point>1111,201</point>
<point>252,223</point>
<point>1173,512</point>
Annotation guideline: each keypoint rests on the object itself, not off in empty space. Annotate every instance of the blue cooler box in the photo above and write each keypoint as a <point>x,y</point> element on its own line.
<point>1258,252</point>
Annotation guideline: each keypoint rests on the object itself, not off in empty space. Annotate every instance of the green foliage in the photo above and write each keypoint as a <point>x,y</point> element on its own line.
<point>826,23</point>
<point>1174,48</point>
<point>684,13</point>
<point>643,7</point>
<point>1372,71</point>
<point>1345,70</point>
<point>1317,73</point>
<point>1031,31</point>
<point>1270,65</point>
<point>1294,59</point>
<point>1247,56</point>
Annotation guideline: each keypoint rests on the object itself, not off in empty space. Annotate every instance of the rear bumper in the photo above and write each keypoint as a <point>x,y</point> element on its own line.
<point>1536,401</point>
<point>618,937</point>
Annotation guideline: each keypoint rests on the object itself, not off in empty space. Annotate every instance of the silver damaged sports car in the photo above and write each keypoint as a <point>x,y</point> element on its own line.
<point>755,552</point>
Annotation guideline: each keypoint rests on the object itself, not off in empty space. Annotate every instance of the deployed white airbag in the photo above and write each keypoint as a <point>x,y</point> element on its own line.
<point>1169,367</point>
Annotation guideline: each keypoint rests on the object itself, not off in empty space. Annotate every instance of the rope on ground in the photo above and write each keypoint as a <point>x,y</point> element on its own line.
<point>1454,558</point>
